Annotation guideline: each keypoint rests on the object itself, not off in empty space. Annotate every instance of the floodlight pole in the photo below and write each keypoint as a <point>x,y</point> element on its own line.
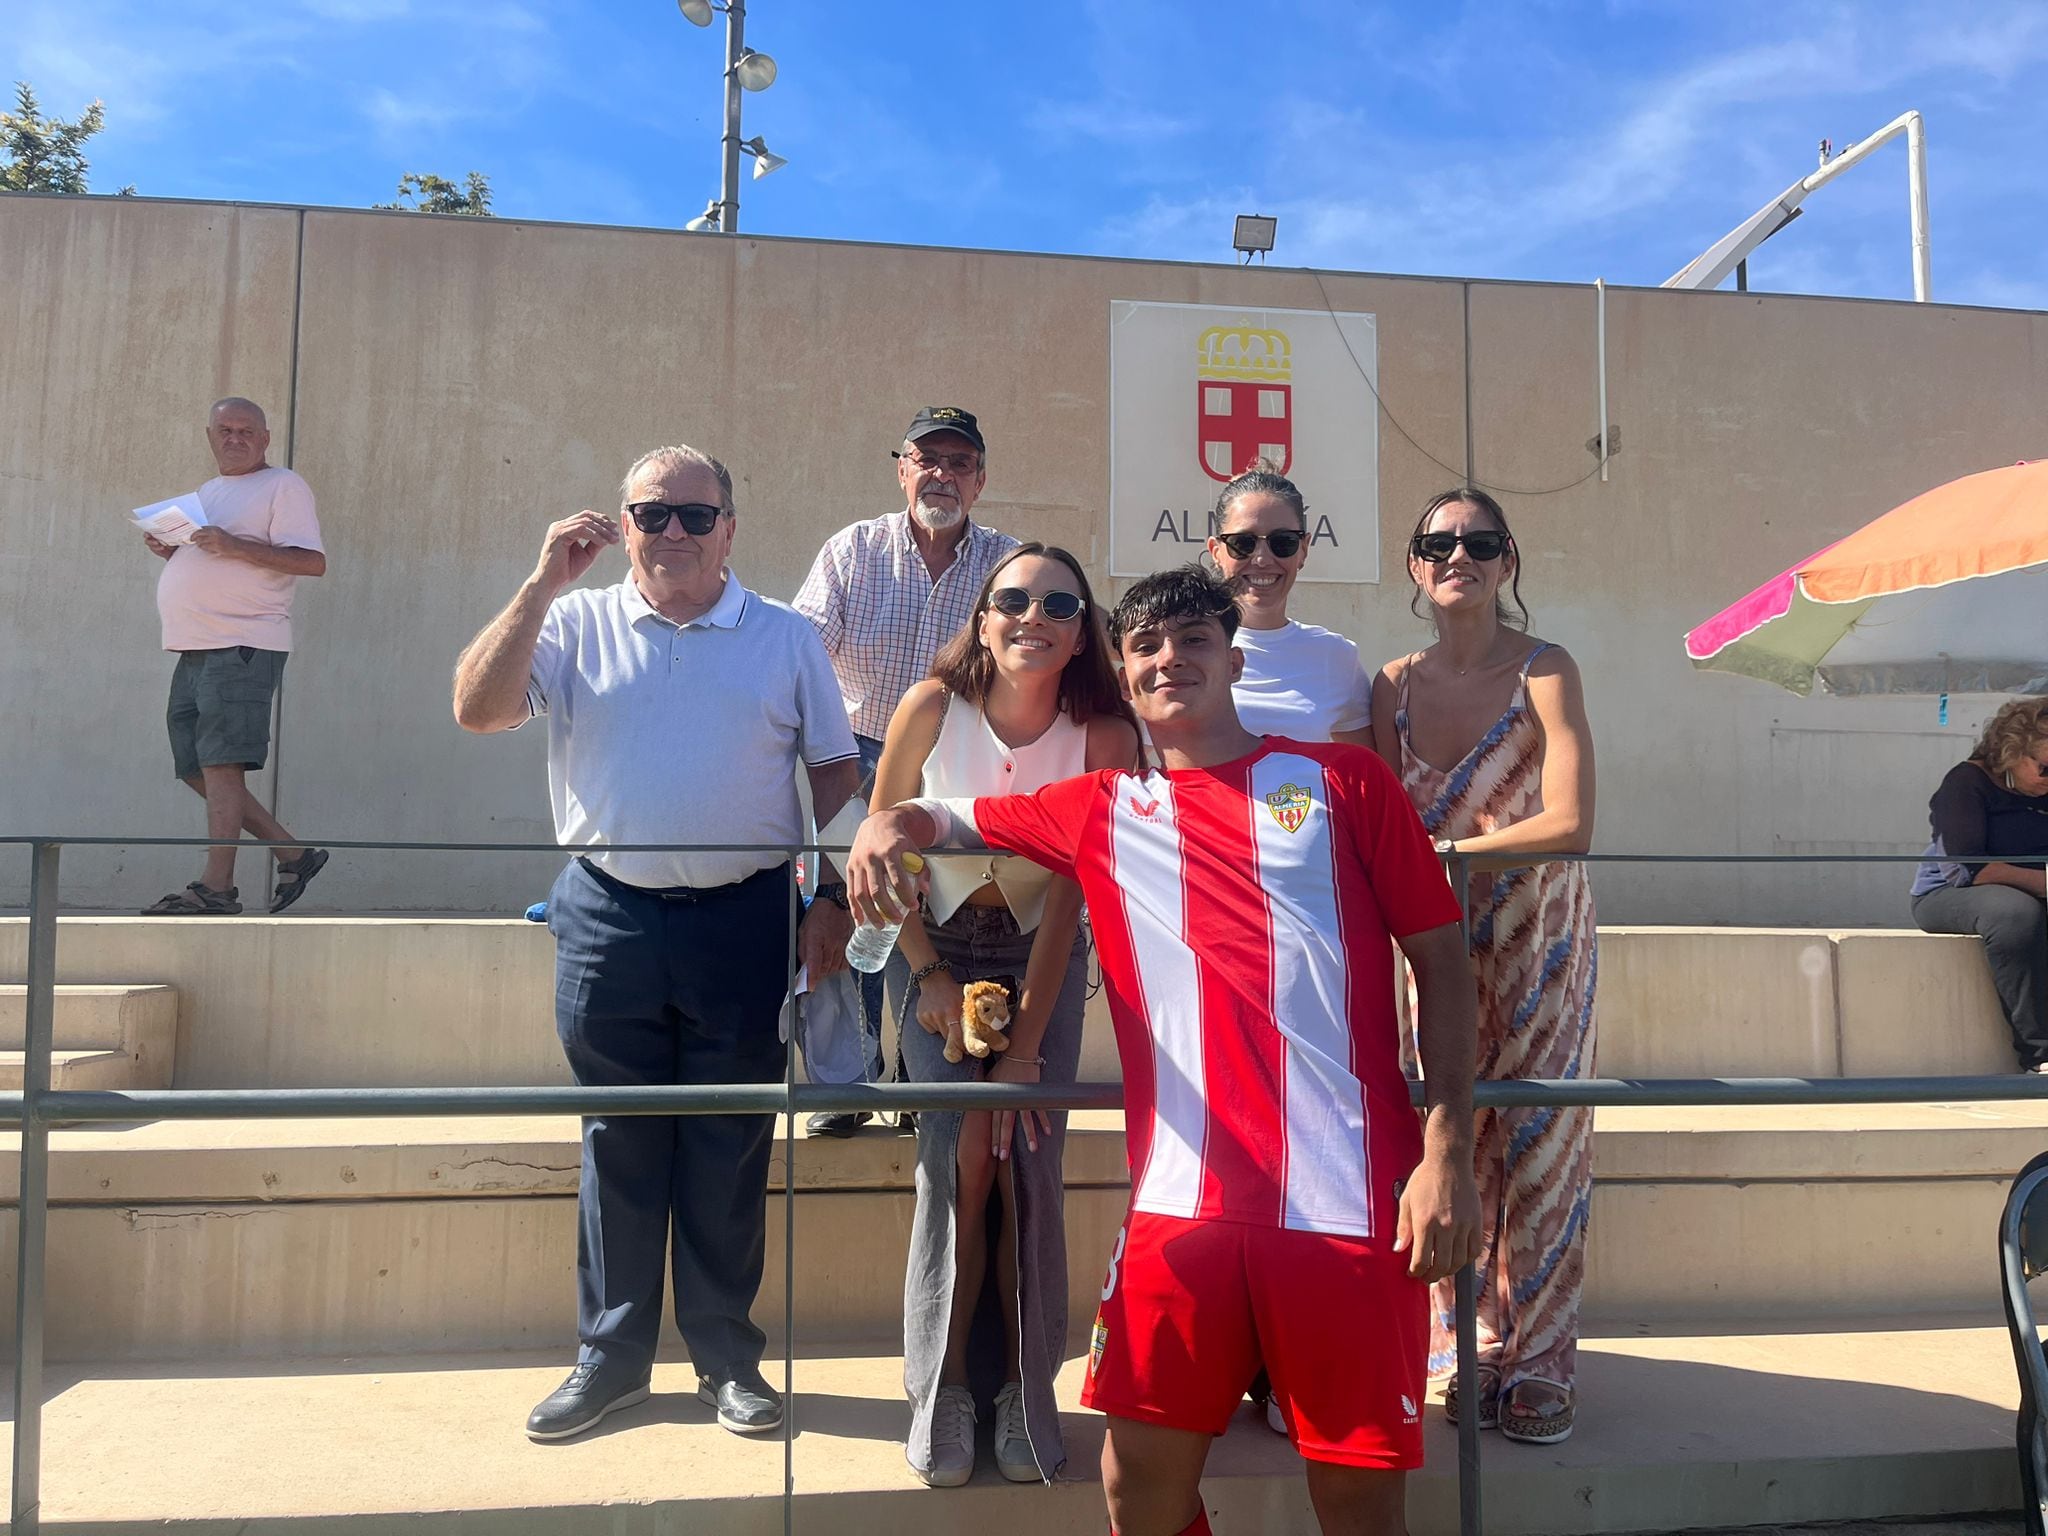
<point>729,146</point>
<point>1733,249</point>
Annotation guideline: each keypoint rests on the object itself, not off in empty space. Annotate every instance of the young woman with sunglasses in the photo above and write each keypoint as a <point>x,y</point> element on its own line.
<point>1487,729</point>
<point>1022,696</point>
<point>1299,680</point>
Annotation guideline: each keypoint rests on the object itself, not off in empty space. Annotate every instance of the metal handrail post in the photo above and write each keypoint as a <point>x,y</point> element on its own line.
<point>1467,1288</point>
<point>32,1213</point>
<point>796,917</point>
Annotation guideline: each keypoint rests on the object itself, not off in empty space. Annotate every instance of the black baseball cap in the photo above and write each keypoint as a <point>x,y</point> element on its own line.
<point>944,418</point>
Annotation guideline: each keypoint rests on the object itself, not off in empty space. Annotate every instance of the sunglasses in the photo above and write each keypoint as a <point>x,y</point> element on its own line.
<point>1284,542</point>
<point>1016,602</point>
<point>696,517</point>
<point>1480,544</point>
<point>958,465</point>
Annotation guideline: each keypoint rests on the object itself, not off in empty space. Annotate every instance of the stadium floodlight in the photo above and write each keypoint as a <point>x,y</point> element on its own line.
<point>756,71</point>
<point>1253,234</point>
<point>745,70</point>
<point>706,223</point>
<point>765,159</point>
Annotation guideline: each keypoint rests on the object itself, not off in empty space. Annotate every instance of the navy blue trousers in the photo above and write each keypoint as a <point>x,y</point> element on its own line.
<point>676,987</point>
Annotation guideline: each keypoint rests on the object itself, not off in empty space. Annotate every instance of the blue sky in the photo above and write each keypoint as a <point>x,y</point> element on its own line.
<point>1541,140</point>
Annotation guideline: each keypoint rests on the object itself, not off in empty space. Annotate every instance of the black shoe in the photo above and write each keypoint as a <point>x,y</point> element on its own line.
<point>906,1122</point>
<point>840,1123</point>
<point>586,1397</point>
<point>746,1404</point>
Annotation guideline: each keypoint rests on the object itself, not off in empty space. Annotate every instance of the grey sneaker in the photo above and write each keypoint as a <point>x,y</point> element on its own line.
<point>952,1439</point>
<point>1014,1458</point>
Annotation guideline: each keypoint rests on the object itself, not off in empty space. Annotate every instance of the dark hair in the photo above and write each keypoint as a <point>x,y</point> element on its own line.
<point>1518,616</point>
<point>1088,685</point>
<point>1261,477</point>
<point>1179,592</point>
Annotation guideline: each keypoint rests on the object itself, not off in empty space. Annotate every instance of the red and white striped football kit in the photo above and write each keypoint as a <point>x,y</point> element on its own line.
<point>1243,913</point>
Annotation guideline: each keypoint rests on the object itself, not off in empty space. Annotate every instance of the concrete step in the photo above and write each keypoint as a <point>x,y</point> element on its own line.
<point>1768,1425</point>
<point>138,1018</point>
<point>353,1236</point>
<point>86,1069</point>
<point>104,1036</point>
<point>344,1002</point>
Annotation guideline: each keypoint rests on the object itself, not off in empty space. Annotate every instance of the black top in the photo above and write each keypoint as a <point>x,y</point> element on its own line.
<point>1973,813</point>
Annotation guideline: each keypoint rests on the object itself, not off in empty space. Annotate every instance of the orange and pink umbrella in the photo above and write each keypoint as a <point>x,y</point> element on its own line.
<point>1945,594</point>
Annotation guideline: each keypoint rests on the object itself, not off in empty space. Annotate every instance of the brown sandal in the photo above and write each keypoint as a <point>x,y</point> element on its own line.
<point>1489,1398</point>
<point>196,900</point>
<point>292,877</point>
<point>1532,1427</point>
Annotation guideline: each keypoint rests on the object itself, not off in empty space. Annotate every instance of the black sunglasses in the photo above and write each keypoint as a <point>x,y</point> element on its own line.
<point>1480,544</point>
<point>1284,542</point>
<point>697,517</point>
<point>1016,602</point>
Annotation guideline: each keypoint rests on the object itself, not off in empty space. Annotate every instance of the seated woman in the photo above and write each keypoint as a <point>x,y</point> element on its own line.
<point>1022,696</point>
<point>1995,804</point>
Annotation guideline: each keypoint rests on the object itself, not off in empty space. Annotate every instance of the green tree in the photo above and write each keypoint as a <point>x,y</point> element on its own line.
<point>428,193</point>
<point>46,154</point>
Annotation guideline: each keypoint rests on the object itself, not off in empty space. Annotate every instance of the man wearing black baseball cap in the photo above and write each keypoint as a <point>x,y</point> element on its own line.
<point>885,594</point>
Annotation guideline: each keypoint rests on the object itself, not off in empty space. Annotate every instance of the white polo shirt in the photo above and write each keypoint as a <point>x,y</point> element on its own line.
<point>660,732</point>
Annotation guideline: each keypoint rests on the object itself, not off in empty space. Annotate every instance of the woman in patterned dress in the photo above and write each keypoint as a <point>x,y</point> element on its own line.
<point>1502,712</point>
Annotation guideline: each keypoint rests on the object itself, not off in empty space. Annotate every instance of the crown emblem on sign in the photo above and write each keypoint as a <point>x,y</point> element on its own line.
<point>1245,352</point>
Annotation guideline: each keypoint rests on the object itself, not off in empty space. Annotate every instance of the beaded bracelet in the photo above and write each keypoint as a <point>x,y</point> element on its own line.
<point>926,972</point>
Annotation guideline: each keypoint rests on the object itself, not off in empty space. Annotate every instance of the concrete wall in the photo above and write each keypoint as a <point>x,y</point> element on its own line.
<point>449,387</point>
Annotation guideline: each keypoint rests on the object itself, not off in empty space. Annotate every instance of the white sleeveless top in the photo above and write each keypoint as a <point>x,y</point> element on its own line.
<point>969,759</point>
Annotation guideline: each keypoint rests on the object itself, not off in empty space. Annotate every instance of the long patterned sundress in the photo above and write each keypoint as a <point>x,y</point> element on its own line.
<point>1536,959</point>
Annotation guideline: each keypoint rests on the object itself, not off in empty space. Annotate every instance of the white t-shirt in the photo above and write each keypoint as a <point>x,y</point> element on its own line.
<point>1302,682</point>
<point>690,733</point>
<point>209,602</point>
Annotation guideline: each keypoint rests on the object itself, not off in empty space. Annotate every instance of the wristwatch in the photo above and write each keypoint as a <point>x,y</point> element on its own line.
<point>1447,845</point>
<point>834,892</point>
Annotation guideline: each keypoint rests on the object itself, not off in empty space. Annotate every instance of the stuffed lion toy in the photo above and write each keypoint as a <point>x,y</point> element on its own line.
<point>984,1015</point>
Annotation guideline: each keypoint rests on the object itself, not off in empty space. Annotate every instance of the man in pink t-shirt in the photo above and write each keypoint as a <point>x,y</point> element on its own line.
<point>226,603</point>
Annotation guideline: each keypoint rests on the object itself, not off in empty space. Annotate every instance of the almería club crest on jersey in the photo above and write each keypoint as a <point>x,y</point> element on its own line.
<point>1289,805</point>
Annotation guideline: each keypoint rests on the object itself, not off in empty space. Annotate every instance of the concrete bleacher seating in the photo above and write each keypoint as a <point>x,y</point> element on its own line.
<point>1791,1312</point>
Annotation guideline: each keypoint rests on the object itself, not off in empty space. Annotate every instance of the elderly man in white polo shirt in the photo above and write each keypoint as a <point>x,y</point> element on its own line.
<point>679,705</point>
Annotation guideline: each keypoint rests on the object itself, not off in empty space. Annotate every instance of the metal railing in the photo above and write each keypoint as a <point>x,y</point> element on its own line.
<point>38,1108</point>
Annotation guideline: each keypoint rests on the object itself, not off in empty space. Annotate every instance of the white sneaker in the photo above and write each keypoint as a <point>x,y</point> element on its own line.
<point>1276,1421</point>
<point>952,1439</point>
<point>1014,1458</point>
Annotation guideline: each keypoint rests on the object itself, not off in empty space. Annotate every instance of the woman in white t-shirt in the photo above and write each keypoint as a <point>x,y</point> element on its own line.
<point>1024,695</point>
<point>1300,681</point>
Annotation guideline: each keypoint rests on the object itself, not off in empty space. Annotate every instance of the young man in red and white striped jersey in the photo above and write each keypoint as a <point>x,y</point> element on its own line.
<point>1286,1208</point>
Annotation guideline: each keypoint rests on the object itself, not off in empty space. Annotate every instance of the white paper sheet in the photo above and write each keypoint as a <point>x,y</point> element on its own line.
<point>172,521</point>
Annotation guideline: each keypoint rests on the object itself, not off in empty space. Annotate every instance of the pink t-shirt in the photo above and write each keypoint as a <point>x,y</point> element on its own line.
<point>209,602</point>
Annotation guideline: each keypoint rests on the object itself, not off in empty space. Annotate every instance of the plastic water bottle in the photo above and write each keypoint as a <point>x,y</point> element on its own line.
<point>537,913</point>
<point>870,947</point>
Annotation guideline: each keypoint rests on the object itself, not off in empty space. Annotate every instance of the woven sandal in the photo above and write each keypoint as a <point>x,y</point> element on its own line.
<point>1533,1428</point>
<point>1489,1394</point>
<point>196,900</point>
<point>292,877</point>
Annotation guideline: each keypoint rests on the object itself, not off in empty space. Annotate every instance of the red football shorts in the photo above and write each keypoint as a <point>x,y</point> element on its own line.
<point>1191,1309</point>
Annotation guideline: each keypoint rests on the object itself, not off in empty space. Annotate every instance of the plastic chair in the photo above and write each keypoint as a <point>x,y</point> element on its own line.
<point>2023,1255</point>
